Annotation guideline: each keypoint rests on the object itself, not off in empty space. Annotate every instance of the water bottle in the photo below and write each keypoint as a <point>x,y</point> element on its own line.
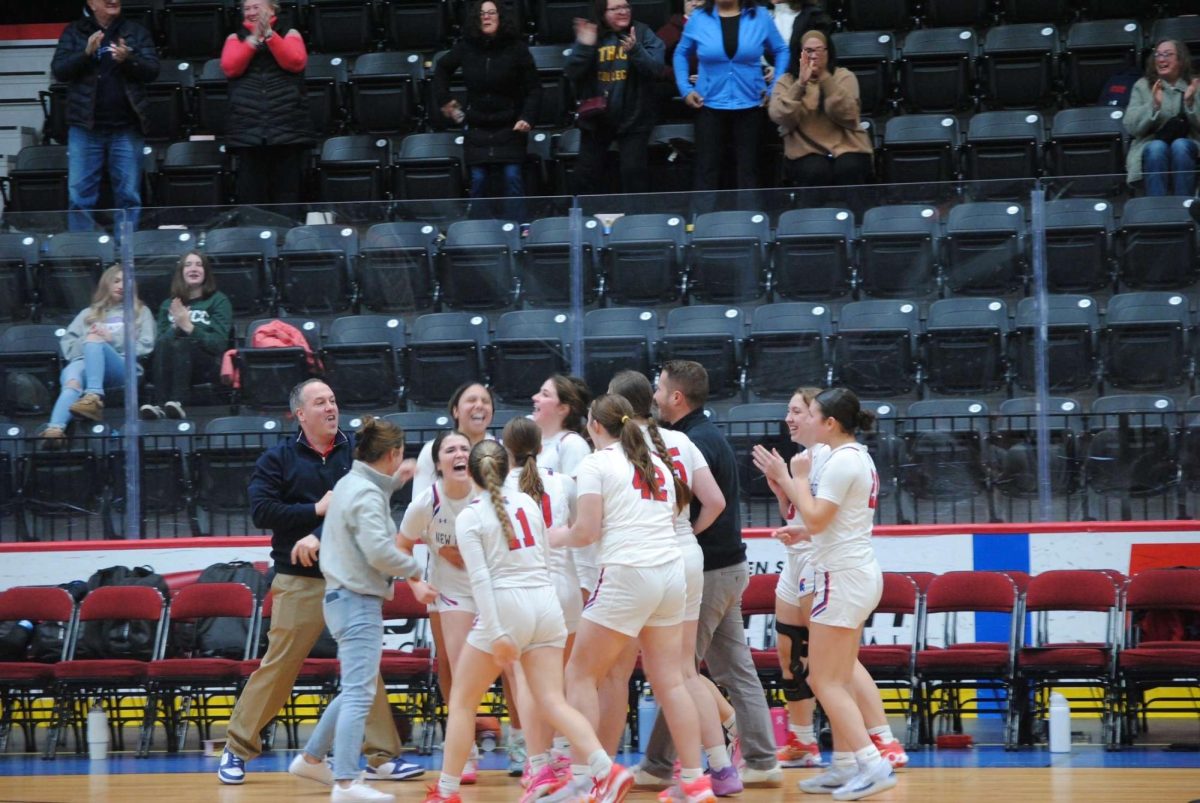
<point>1060,724</point>
<point>647,713</point>
<point>779,724</point>
<point>487,741</point>
<point>97,733</point>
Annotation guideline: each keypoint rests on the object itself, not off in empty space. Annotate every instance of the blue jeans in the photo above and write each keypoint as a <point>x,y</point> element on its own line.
<point>513,187</point>
<point>88,152</point>
<point>1178,158</point>
<point>99,366</point>
<point>356,621</point>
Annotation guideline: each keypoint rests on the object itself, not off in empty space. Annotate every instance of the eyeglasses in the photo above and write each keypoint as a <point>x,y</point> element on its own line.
<point>618,9</point>
<point>1164,55</point>
<point>492,13</point>
<point>812,51</point>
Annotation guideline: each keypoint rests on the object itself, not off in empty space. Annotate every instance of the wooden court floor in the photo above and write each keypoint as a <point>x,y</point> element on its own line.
<point>961,785</point>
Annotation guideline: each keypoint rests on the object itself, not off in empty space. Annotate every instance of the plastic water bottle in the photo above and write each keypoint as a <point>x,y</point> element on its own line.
<point>1060,724</point>
<point>97,733</point>
<point>647,713</point>
<point>487,741</point>
<point>779,724</point>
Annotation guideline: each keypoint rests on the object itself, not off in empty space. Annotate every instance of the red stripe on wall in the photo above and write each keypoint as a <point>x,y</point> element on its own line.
<point>38,30</point>
<point>1162,556</point>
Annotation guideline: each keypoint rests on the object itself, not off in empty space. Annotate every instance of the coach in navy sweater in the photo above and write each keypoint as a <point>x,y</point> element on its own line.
<point>289,494</point>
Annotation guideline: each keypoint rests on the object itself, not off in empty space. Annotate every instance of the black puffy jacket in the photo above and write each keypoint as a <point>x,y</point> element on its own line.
<point>502,88</point>
<point>267,104</point>
<point>73,66</point>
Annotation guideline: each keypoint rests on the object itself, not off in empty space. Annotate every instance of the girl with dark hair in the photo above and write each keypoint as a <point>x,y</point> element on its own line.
<point>429,519</point>
<point>816,106</point>
<point>195,325</point>
<point>729,39</point>
<point>471,410</point>
<point>359,559</point>
<point>502,98</point>
<point>627,503</point>
<point>693,482</point>
<point>1164,121</point>
<point>836,502</point>
<point>502,534</point>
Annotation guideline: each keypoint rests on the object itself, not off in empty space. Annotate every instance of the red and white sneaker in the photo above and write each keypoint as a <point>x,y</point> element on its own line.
<point>432,795</point>
<point>527,776</point>
<point>614,786</point>
<point>798,754</point>
<point>470,772</point>
<point>892,752</point>
<point>698,791</point>
<point>543,784</point>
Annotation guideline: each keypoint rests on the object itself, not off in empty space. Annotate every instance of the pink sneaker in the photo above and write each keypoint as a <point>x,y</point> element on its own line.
<point>892,751</point>
<point>735,752</point>
<point>614,786</point>
<point>798,754</point>
<point>527,776</point>
<point>470,772</point>
<point>546,782</point>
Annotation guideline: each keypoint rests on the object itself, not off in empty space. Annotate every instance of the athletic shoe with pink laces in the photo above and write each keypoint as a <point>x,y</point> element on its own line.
<point>432,795</point>
<point>893,752</point>
<point>614,786</point>
<point>798,754</point>
<point>698,791</point>
<point>542,784</point>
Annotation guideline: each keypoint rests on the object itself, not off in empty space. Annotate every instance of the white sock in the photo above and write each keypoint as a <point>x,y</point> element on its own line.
<point>561,745</point>
<point>730,726</point>
<point>579,772</point>
<point>884,732</point>
<point>867,757</point>
<point>515,736</point>
<point>843,761</point>
<point>718,757</point>
<point>689,775</point>
<point>448,785</point>
<point>599,765</point>
<point>538,762</point>
<point>805,734</point>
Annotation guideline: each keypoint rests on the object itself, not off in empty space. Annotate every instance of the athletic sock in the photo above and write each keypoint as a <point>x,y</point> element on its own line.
<point>805,734</point>
<point>844,760</point>
<point>580,773</point>
<point>538,762</point>
<point>866,757</point>
<point>448,785</point>
<point>730,726</point>
<point>884,732</point>
<point>718,757</point>
<point>598,765</point>
<point>687,776</point>
<point>561,745</point>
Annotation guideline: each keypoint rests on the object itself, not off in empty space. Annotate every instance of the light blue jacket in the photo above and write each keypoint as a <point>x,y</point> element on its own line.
<point>726,83</point>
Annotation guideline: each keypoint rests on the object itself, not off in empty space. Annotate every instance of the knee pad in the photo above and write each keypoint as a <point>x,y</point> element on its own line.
<point>797,688</point>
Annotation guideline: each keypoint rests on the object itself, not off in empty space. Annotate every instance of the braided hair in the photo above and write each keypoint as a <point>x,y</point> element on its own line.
<point>488,465</point>
<point>636,390</point>
<point>523,439</point>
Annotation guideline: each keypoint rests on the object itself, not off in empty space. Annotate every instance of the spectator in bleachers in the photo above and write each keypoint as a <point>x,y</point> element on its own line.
<point>1164,120</point>
<point>503,95</point>
<point>816,106</point>
<point>729,39</point>
<point>614,66</point>
<point>106,61</point>
<point>94,349</point>
<point>268,127</point>
<point>800,15</point>
<point>194,328</point>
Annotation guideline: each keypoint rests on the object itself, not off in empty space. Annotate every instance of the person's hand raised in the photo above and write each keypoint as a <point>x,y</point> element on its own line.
<point>585,31</point>
<point>629,40</point>
<point>93,43</point>
<point>1189,94</point>
<point>1157,93</point>
<point>121,51</point>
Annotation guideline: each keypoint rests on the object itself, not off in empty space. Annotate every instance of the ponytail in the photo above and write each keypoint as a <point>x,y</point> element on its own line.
<point>489,466</point>
<point>683,494</point>
<point>635,388</point>
<point>614,414</point>
<point>523,439</point>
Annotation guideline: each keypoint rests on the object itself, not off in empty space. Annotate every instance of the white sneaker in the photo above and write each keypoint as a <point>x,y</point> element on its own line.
<point>879,777</point>
<point>321,773</point>
<point>771,777</point>
<point>828,781</point>
<point>648,780</point>
<point>395,769</point>
<point>358,791</point>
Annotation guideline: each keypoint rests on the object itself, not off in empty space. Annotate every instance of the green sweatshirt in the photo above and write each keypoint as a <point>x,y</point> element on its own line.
<point>212,319</point>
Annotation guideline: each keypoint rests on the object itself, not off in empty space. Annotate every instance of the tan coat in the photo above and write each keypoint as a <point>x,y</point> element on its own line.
<point>827,113</point>
<point>1141,121</point>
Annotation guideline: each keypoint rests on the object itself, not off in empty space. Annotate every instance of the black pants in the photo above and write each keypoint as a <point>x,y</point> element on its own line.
<point>179,362</point>
<point>590,175</point>
<point>821,171</point>
<point>716,128</point>
<point>270,174</point>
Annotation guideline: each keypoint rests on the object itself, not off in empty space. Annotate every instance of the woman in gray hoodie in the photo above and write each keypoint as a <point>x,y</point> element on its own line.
<point>359,559</point>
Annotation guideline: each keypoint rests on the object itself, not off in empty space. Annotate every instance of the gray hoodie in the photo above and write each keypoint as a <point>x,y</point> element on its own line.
<point>358,541</point>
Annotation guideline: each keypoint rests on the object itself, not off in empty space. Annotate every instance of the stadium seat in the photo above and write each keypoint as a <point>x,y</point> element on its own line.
<point>194,174</point>
<point>748,425</point>
<point>1017,65</point>
<point>385,92</point>
<point>340,26</point>
<point>30,363</point>
<point>62,489</point>
<point>156,256</point>
<point>555,19</point>
<point>564,149</point>
<point>445,350</point>
<point>363,359</point>
<point>710,334</point>
<point>642,259</point>
<point>1014,446</point>
<point>984,248</point>
<point>727,256</point>
<point>813,255</point>
<point>316,269</point>
<point>865,15</point>
<point>70,267</point>
<point>36,182</point>
<point>670,157</point>
<point>409,671</point>
<point>420,25</point>
<point>477,264</point>
<point>875,347</point>
<point>920,150</point>
<point>1087,142</point>
<point>971,13</point>
<point>937,69</point>
<point>887,452</point>
<point>354,168</point>
<point>169,96</point>
<point>1185,29</point>
<point>944,460</point>
<point>1132,456</point>
<point>18,261</point>
<point>243,263</point>
<point>196,28</point>
<point>1002,153</point>
<point>395,266</point>
<point>164,484</point>
<point>428,166</point>
<point>1034,10</point>
<point>965,344</point>
<point>527,347</point>
<point>1095,50</point>
<point>223,460</point>
<point>549,61</point>
<point>617,339</point>
<point>212,99</point>
<point>546,261</point>
<point>654,13</point>
<point>788,347</point>
<point>871,56</point>
<point>1155,244</point>
<point>1073,325</point>
<point>27,680</point>
<point>1078,238</point>
<point>269,374</point>
<point>1147,341</point>
<point>899,251</point>
<point>325,82</point>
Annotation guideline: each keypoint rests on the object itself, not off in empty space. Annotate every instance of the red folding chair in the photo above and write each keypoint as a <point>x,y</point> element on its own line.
<point>759,600</point>
<point>182,687</point>
<point>411,673</point>
<point>1051,659</point>
<point>111,681</point>
<point>25,680</point>
<point>893,666</point>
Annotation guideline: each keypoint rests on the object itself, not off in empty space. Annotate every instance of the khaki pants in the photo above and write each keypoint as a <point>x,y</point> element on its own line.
<point>296,623</point>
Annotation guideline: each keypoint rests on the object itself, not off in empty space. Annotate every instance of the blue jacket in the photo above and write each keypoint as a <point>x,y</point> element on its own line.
<point>288,481</point>
<point>726,83</point>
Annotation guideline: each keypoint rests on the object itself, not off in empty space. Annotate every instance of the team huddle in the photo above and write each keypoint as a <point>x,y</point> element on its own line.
<point>564,550</point>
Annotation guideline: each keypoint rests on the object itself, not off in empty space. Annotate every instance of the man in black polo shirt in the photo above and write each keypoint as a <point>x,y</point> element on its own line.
<point>721,639</point>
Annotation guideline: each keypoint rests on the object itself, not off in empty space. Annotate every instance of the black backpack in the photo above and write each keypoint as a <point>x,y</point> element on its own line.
<point>220,636</point>
<point>120,638</point>
<point>46,646</point>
